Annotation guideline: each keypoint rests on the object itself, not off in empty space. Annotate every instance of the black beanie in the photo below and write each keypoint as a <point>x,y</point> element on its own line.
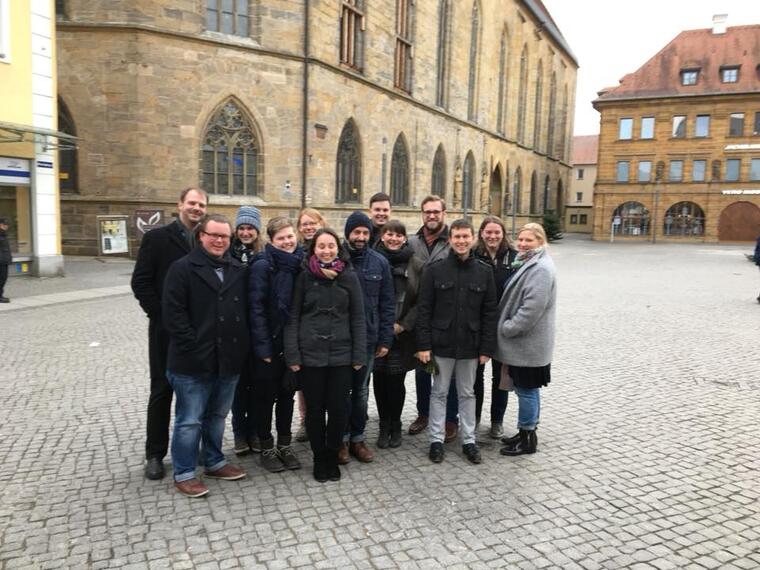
<point>355,220</point>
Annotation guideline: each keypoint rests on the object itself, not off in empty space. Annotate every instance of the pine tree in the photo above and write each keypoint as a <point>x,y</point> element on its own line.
<point>552,226</point>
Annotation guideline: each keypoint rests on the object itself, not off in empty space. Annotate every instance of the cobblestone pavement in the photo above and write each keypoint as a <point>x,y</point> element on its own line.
<point>649,455</point>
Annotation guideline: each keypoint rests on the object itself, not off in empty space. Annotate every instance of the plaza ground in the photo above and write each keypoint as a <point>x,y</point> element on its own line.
<point>649,455</point>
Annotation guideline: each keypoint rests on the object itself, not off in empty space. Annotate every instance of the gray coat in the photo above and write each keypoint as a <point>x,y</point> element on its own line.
<point>440,249</point>
<point>527,314</point>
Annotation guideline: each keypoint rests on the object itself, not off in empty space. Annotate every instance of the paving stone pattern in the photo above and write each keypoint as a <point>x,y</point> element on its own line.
<point>648,446</point>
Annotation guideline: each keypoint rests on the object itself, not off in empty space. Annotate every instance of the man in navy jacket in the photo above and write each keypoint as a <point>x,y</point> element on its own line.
<point>376,281</point>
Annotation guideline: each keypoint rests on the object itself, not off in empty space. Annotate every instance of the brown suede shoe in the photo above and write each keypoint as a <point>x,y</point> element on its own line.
<point>191,488</point>
<point>418,425</point>
<point>452,430</point>
<point>361,452</point>
<point>343,457</point>
<point>228,473</point>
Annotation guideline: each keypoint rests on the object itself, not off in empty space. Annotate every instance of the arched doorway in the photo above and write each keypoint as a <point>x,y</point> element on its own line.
<point>739,221</point>
<point>494,202</point>
<point>633,219</point>
<point>684,219</point>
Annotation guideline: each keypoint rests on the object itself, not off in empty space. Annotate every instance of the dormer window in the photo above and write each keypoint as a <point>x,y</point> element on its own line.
<point>729,74</point>
<point>689,76</point>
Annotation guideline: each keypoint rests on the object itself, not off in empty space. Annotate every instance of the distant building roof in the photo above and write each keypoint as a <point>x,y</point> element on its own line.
<point>695,50</point>
<point>584,149</point>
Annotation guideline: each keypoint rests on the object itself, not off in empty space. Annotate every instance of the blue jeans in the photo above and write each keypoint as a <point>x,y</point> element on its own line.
<point>529,408</point>
<point>200,409</point>
<point>423,383</point>
<point>357,419</point>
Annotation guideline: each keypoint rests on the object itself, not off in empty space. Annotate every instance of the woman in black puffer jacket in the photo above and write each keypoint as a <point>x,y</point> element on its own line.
<point>389,372</point>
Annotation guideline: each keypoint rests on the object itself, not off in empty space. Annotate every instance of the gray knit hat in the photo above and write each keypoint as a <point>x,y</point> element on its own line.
<point>248,215</point>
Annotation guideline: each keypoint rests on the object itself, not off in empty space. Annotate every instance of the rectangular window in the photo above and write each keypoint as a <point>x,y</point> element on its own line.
<point>702,126</point>
<point>403,75</point>
<point>736,124</point>
<point>679,126</point>
<point>625,129</point>
<point>584,219</point>
<point>645,170</point>
<point>756,128</point>
<point>5,32</point>
<point>689,76</point>
<point>698,170</point>
<point>573,218</point>
<point>754,170</point>
<point>623,167</point>
<point>352,33</point>
<point>227,16</point>
<point>732,169</point>
<point>729,74</point>
<point>676,171</point>
<point>579,174</point>
<point>579,196</point>
<point>647,127</point>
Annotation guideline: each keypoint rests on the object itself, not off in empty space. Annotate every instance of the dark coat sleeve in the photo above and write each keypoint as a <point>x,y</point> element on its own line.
<point>144,277</point>
<point>425,310</point>
<point>409,318</point>
<point>176,317</point>
<point>258,302</point>
<point>488,317</point>
<point>290,337</point>
<point>387,308</point>
<point>357,320</point>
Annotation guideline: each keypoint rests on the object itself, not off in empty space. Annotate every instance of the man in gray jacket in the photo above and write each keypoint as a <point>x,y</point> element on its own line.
<point>430,244</point>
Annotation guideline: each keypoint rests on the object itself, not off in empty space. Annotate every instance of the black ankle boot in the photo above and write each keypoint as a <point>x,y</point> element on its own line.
<point>395,439</point>
<point>333,469</point>
<point>383,438</point>
<point>525,442</point>
<point>320,468</point>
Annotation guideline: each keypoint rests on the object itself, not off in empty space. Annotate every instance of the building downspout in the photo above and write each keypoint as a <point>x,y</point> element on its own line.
<point>305,103</point>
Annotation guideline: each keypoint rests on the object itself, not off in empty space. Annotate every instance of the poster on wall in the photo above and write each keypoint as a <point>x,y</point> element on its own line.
<point>113,235</point>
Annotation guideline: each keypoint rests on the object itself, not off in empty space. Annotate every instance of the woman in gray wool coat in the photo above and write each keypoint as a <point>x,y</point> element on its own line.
<point>525,333</point>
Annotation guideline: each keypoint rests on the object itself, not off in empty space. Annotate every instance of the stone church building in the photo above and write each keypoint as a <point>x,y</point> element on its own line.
<point>285,103</point>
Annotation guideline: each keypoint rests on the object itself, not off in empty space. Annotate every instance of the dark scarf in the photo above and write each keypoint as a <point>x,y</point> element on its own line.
<point>396,257</point>
<point>216,262</point>
<point>325,270</point>
<point>431,237</point>
<point>283,267</point>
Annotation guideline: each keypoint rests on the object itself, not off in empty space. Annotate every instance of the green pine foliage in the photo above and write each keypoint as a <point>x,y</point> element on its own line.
<point>552,226</point>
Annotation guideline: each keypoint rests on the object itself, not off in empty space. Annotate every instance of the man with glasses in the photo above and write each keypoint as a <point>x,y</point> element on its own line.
<point>205,311</point>
<point>159,249</point>
<point>430,244</point>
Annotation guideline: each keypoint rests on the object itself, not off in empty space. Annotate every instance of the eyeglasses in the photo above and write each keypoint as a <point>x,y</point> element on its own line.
<point>308,224</point>
<point>215,237</point>
<point>432,212</point>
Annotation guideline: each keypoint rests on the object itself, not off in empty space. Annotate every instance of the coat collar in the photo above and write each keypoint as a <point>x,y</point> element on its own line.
<point>203,267</point>
<point>175,230</point>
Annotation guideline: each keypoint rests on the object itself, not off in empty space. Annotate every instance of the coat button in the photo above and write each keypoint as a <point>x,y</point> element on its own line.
<point>221,298</point>
<point>221,319</point>
<point>236,298</point>
<point>234,339</point>
<point>218,340</point>
<point>237,319</point>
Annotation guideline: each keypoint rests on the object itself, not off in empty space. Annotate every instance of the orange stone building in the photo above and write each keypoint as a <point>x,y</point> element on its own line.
<point>679,146</point>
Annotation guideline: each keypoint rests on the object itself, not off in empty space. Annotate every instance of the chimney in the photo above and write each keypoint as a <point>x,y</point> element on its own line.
<point>719,23</point>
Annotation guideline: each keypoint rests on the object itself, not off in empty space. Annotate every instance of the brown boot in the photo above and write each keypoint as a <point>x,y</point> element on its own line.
<point>452,430</point>
<point>418,425</point>
<point>360,450</point>
<point>343,457</point>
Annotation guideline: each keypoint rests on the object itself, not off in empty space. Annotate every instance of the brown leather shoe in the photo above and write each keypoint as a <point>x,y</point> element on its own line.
<point>228,473</point>
<point>452,430</point>
<point>343,457</point>
<point>361,452</point>
<point>418,425</point>
<point>191,488</point>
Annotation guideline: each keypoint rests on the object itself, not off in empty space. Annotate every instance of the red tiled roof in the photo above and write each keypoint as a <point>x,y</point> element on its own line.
<point>690,50</point>
<point>584,149</point>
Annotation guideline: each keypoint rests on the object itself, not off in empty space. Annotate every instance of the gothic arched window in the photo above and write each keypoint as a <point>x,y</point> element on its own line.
<point>517,191</point>
<point>348,171</point>
<point>534,193</point>
<point>231,161</point>
<point>400,172</point>
<point>468,181</point>
<point>438,183</point>
<point>444,42</point>
<point>501,114</point>
<point>68,158</point>
<point>522,95</point>
<point>472,83</point>
<point>552,115</point>
<point>539,105</point>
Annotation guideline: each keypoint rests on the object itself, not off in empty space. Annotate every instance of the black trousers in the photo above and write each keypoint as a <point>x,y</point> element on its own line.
<point>270,392</point>
<point>244,405</point>
<point>499,398</point>
<point>160,400</point>
<point>390,393</point>
<point>3,277</point>
<point>326,390</point>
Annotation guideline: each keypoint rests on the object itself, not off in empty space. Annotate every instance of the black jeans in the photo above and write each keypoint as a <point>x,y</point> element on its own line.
<point>271,393</point>
<point>243,406</point>
<point>499,398</point>
<point>326,389</point>
<point>390,393</point>
<point>160,399</point>
<point>3,277</point>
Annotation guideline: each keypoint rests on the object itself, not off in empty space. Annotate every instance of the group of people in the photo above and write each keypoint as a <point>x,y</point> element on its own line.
<point>243,323</point>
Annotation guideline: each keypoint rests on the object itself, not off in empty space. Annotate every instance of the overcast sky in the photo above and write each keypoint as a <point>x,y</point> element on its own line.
<point>613,37</point>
